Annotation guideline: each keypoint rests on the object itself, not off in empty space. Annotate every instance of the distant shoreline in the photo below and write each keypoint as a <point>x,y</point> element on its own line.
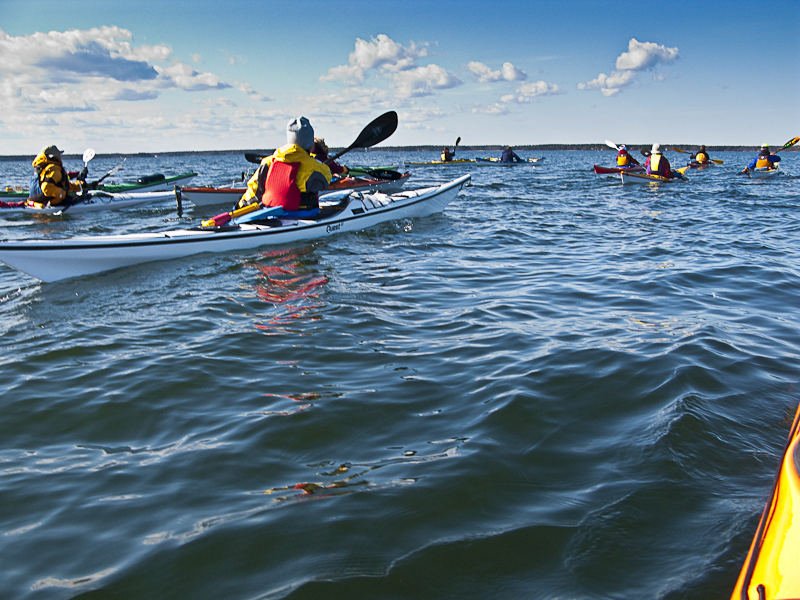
<point>461,150</point>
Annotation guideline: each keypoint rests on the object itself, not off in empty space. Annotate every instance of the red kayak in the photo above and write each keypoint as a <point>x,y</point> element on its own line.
<point>609,170</point>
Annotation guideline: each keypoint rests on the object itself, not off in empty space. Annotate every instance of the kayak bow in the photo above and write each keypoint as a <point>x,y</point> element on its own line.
<point>771,569</point>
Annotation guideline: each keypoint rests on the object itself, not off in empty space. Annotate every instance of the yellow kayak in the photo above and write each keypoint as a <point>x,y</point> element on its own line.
<point>772,568</point>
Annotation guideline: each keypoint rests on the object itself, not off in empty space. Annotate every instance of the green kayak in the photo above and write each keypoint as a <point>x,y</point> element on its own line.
<point>148,183</point>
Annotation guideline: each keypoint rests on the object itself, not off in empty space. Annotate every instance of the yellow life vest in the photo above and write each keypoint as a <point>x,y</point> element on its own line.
<point>701,157</point>
<point>763,162</point>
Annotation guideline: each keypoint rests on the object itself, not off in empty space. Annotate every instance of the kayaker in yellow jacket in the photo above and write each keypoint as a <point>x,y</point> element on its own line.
<point>50,182</point>
<point>291,178</point>
<point>624,159</point>
<point>764,160</point>
<point>656,164</point>
<point>702,156</point>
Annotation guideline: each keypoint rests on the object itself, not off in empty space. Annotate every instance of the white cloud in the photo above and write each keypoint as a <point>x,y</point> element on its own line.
<point>609,84</point>
<point>639,57</point>
<point>398,63</point>
<point>81,70</point>
<point>379,53</point>
<point>527,91</point>
<point>248,90</point>
<point>484,74</point>
<point>383,52</point>
<point>351,74</point>
<point>422,81</point>
<point>492,109</point>
<point>183,76</point>
<point>644,55</point>
<point>512,73</point>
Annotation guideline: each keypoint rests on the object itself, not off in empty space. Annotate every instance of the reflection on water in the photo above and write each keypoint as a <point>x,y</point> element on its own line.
<point>290,282</point>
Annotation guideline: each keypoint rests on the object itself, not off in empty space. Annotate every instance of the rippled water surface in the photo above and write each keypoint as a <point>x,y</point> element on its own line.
<point>559,387</point>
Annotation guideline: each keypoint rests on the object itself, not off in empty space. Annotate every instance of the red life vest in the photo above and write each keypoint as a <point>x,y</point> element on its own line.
<point>281,186</point>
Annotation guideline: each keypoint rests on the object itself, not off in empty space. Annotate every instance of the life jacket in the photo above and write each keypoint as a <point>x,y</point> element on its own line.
<point>507,156</point>
<point>447,156</point>
<point>701,157</point>
<point>656,166</point>
<point>280,188</point>
<point>624,159</point>
<point>36,185</point>
<point>763,161</point>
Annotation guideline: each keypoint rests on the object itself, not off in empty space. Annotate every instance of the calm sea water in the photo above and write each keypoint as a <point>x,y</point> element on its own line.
<point>559,387</point>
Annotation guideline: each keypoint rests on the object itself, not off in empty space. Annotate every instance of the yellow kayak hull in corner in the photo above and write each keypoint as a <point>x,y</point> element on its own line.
<point>772,568</point>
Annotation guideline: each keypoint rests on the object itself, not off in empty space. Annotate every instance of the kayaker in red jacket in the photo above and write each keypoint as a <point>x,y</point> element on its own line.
<point>656,164</point>
<point>624,159</point>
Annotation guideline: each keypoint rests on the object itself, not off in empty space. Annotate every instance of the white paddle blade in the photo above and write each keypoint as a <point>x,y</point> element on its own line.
<point>88,155</point>
<point>611,144</point>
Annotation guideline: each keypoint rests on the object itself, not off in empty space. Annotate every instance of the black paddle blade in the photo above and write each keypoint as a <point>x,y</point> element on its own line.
<point>385,174</point>
<point>377,131</point>
<point>253,158</point>
<point>374,133</point>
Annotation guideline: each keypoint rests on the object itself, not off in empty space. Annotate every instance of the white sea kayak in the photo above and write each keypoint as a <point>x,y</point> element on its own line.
<point>92,202</point>
<point>212,196</point>
<point>56,259</point>
<point>765,173</point>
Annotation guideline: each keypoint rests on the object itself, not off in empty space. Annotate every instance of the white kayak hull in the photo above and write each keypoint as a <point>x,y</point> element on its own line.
<point>95,201</point>
<point>644,178</point>
<point>210,196</point>
<point>56,259</point>
<point>763,173</point>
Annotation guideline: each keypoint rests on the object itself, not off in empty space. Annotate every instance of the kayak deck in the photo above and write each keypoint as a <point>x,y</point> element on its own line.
<point>208,196</point>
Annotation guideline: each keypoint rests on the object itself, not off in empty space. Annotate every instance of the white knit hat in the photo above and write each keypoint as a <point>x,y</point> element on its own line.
<point>656,149</point>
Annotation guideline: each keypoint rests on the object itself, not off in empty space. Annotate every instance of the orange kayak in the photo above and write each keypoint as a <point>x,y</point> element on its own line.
<point>772,568</point>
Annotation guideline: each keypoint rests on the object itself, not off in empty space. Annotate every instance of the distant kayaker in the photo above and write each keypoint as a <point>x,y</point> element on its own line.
<point>701,157</point>
<point>320,151</point>
<point>447,155</point>
<point>764,160</point>
<point>50,182</point>
<point>624,159</point>
<point>509,156</point>
<point>656,164</point>
<point>291,178</point>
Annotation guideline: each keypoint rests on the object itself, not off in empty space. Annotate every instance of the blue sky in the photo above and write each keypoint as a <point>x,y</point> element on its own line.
<point>146,76</point>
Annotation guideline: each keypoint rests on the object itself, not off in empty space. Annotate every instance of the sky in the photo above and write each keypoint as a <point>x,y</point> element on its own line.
<point>156,76</point>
